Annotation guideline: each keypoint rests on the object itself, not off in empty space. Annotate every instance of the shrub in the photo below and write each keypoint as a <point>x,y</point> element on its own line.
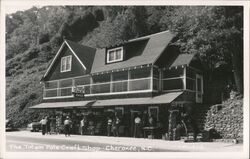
<point>43,38</point>
<point>30,54</point>
<point>13,91</point>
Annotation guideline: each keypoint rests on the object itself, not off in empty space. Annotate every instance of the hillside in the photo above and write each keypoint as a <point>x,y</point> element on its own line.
<point>33,37</point>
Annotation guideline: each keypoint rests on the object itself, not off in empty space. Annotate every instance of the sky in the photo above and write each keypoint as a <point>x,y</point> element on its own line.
<point>13,9</point>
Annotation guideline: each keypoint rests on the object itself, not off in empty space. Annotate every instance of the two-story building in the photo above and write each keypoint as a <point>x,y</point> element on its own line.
<point>146,76</point>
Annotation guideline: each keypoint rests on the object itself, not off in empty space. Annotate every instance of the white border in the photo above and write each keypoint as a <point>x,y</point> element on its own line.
<point>108,155</point>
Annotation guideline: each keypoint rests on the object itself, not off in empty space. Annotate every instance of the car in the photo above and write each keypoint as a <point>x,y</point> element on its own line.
<point>9,126</point>
<point>34,127</point>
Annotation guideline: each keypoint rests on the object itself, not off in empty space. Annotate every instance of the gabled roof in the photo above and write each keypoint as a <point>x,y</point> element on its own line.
<point>140,51</point>
<point>151,47</point>
<point>183,59</point>
<point>84,54</point>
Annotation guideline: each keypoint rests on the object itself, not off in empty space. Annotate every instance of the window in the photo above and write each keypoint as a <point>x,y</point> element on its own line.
<point>115,55</point>
<point>66,63</point>
<point>140,73</point>
<point>173,84</point>
<point>173,73</point>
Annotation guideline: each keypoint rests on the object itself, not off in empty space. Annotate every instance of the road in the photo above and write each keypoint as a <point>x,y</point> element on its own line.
<point>26,141</point>
<point>35,142</point>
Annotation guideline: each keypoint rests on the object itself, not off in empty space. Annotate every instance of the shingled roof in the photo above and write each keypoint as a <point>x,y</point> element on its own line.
<point>140,51</point>
<point>85,54</point>
<point>150,49</point>
<point>182,59</point>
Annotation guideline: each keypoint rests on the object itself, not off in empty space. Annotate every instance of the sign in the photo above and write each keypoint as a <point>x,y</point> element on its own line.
<point>78,91</point>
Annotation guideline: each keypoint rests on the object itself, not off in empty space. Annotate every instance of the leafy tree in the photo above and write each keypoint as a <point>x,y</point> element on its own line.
<point>215,33</point>
<point>129,23</point>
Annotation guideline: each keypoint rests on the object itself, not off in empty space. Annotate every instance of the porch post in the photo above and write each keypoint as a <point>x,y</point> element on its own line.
<point>160,80</point>
<point>58,90</point>
<point>73,81</point>
<point>129,76</point>
<point>44,91</point>
<point>111,82</point>
<point>90,85</point>
<point>185,78</point>
<point>151,82</point>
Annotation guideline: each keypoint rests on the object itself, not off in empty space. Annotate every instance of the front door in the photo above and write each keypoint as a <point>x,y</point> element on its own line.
<point>199,88</point>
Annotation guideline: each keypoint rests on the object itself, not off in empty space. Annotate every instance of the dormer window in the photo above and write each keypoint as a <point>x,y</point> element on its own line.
<point>115,55</point>
<point>66,62</point>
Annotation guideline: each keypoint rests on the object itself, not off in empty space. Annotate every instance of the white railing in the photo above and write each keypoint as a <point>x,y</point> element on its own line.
<point>114,87</point>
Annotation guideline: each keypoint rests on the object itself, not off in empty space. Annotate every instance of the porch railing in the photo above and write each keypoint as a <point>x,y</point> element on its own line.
<point>131,85</point>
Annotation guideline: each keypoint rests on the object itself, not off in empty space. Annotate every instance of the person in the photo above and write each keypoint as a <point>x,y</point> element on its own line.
<point>48,125</point>
<point>83,125</point>
<point>137,126</point>
<point>67,123</point>
<point>43,123</point>
<point>53,124</point>
<point>151,121</point>
<point>109,125</point>
<point>115,126</point>
<point>58,125</point>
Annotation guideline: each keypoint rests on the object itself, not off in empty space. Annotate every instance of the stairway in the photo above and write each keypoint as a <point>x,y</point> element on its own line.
<point>199,115</point>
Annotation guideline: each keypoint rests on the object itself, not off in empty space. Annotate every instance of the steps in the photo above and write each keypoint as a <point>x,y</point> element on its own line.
<point>199,115</point>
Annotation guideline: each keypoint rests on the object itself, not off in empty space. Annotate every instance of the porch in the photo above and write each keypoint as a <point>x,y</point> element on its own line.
<point>98,111</point>
<point>141,79</point>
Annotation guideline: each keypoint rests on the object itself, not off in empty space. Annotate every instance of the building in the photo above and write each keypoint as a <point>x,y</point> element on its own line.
<point>146,76</point>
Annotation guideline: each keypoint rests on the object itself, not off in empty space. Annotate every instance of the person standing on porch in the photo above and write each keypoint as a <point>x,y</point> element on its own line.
<point>58,125</point>
<point>83,125</point>
<point>53,124</point>
<point>137,126</point>
<point>115,126</point>
<point>109,126</point>
<point>48,125</point>
<point>43,123</point>
<point>151,121</point>
<point>67,123</point>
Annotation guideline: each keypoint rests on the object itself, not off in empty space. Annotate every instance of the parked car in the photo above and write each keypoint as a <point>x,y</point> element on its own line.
<point>34,127</point>
<point>9,126</point>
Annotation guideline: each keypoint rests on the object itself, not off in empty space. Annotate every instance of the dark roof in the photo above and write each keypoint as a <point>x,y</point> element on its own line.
<point>160,99</point>
<point>84,53</point>
<point>151,47</point>
<point>140,51</point>
<point>182,59</point>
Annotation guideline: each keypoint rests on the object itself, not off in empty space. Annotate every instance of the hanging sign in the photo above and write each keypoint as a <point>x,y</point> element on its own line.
<point>78,91</point>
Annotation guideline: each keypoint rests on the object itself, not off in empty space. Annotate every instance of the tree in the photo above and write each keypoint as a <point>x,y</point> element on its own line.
<point>215,33</point>
<point>130,22</point>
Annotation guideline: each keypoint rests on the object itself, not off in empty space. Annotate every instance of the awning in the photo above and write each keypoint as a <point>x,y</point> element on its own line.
<point>161,99</point>
<point>62,104</point>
